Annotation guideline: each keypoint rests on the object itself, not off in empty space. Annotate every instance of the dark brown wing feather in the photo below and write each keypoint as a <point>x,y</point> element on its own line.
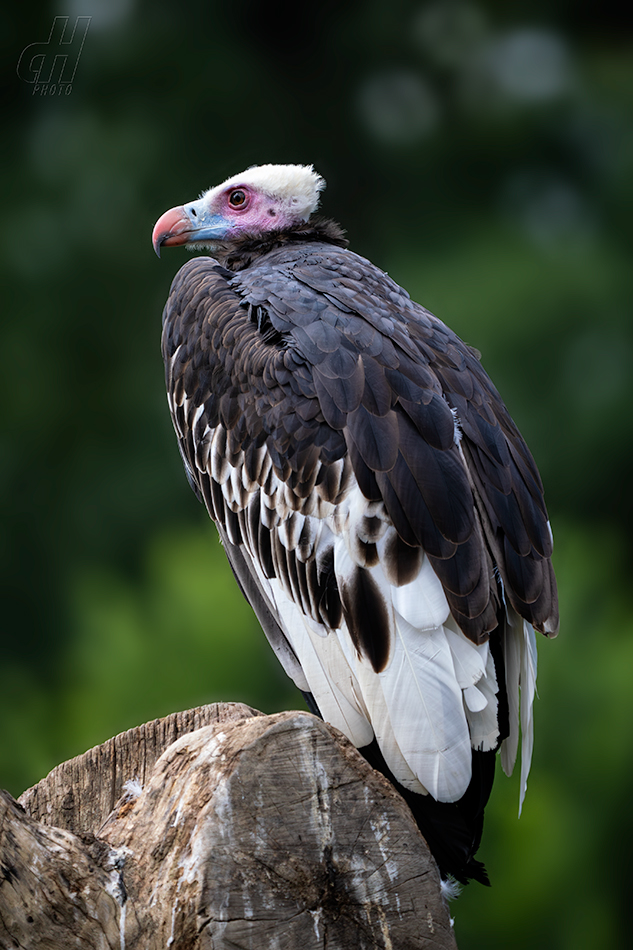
<point>311,355</point>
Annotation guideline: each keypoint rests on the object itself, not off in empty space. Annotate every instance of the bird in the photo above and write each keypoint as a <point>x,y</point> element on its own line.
<point>378,506</point>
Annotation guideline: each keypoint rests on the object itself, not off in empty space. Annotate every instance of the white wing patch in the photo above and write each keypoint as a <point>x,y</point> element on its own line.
<point>528,690</point>
<point>520,659</point>
<point>426,710</point>
<point>435,697</point>
<point>423,604</point>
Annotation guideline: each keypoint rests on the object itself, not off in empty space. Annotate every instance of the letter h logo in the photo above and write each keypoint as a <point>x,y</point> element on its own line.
<point>51,66</point>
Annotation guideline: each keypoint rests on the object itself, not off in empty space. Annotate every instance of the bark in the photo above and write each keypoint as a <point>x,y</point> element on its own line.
<point>238,830</point>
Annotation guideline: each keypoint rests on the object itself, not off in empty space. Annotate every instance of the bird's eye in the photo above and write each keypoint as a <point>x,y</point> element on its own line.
<point>237,198</point>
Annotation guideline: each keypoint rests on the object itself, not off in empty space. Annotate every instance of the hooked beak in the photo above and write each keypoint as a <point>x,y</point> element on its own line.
<point>188,224</point>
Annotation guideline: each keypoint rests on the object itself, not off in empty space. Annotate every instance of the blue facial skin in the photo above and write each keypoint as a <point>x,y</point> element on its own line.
<point>212,227</point>
<point>204,228</point>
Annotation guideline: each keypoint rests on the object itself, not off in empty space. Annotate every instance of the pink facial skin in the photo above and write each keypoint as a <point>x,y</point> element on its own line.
<point>258,212</point>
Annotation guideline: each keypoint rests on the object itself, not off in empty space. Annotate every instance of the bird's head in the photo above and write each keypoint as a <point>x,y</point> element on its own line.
<point>262,199</point>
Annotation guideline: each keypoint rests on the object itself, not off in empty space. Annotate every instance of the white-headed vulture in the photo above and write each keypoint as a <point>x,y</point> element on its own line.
<point>379,507</point>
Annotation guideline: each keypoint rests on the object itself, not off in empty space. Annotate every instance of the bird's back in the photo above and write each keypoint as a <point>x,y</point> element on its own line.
<point>378,505</point>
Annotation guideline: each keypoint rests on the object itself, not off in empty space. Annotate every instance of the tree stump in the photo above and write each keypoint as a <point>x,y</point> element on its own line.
<point>214,829</point>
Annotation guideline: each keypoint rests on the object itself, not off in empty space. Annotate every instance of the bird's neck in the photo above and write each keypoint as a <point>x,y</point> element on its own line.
<point>241,252</point>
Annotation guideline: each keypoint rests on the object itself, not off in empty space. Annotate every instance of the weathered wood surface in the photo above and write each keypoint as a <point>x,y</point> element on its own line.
<point>79,794</point>
<point>252,832</point>
<point>57,891</point>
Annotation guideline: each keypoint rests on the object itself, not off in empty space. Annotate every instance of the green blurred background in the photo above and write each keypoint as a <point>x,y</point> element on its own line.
<point>482,152</point>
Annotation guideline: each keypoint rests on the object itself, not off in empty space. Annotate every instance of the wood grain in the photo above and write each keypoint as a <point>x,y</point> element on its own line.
<point>79,794</point>
<point>248,833</point>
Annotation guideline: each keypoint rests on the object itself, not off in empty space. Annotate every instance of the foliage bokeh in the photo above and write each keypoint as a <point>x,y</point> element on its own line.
<point>483,154</point>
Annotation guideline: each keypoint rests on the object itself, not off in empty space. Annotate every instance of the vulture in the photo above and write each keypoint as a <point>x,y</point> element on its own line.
<point>378,506</point>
